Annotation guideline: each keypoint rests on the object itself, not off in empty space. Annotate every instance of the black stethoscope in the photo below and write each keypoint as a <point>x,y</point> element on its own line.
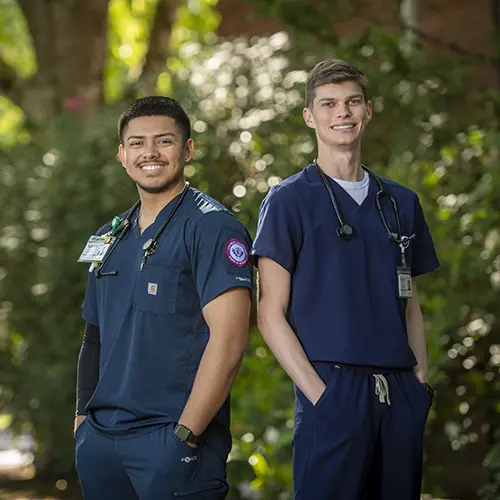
<point>150,246</point>
<point>345,230</point>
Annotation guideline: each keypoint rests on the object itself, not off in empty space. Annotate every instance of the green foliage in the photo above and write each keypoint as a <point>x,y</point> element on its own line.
<point>245,101</point>
<point>15,42</point>
<point>15,47</point>
<point>130,25</point>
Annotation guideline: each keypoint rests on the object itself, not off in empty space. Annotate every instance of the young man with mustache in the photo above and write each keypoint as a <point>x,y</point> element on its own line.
<point>166,310</point>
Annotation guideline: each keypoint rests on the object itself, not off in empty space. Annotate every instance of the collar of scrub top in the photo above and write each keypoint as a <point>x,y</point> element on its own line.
<point>150,246</point>
<point>345,230</point>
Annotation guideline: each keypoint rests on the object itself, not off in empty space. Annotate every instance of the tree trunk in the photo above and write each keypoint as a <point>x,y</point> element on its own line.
<point>70,42</point>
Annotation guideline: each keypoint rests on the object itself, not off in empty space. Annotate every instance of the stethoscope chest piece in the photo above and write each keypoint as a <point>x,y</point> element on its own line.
<point>345,231</point>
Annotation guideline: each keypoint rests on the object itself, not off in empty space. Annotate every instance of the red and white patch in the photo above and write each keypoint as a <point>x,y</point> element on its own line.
<point>236,252</point>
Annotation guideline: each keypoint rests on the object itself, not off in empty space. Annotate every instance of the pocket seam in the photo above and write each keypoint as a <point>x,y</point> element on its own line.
<point>324,394</point>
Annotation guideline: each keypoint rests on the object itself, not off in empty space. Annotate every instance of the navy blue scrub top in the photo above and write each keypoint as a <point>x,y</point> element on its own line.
<point>344,304</point>
<point>153,333</point>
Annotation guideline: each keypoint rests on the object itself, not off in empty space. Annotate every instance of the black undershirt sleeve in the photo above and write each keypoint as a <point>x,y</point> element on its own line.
<point>87,373</point>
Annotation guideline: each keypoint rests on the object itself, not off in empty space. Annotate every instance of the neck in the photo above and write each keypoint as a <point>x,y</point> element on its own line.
<point>153,203</point>
<point>341,164</point>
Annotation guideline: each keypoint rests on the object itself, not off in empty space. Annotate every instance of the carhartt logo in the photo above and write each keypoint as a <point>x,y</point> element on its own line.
<point>189,459</point>
<point>152,288</point>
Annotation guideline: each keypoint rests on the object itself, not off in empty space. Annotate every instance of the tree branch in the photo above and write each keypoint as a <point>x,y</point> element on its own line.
<point>159,45</point>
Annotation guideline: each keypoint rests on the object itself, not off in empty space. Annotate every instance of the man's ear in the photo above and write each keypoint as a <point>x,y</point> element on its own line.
<point>121,155</point>
<point>308,118</point>
<point>188,150</point>
<point>369,110</point>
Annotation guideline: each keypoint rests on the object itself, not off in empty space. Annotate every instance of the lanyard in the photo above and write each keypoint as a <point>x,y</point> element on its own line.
<point>150,246</point>
<point>345,231</point>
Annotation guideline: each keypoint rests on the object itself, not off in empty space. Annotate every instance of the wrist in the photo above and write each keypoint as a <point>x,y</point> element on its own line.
<point>185,434</point>
<point>421,375</point>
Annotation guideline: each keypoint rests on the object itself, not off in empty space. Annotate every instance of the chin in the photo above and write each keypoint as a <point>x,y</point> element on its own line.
<point>342,144</point>
<point>158,187</point>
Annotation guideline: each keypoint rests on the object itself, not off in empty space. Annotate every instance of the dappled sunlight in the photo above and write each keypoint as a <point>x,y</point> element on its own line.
<point>60,181</point>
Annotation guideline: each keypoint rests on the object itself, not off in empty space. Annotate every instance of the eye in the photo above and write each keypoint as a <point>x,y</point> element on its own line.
<point>356,100</point>
<point>135,143</point>
<point>165,141</point>
<point>328,104</point>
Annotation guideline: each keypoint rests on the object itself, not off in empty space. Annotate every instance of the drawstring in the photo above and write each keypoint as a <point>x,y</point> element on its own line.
<point>382,388</point>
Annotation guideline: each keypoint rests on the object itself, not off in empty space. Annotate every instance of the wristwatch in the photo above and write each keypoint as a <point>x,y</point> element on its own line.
<point>185,434</point>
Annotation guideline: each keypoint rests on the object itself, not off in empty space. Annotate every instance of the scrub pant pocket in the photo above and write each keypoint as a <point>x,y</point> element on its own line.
<point>162,467</point>
<point>154,465</point>
<point>334,439</point>
<point>363,438</point>
<point>398,460</point>
<point>211,482</point>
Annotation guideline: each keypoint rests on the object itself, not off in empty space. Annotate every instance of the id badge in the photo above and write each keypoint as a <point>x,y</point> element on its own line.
<point>404,283</point>
<point>96,249</point>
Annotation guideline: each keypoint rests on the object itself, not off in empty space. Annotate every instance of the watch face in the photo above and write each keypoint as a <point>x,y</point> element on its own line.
<point>182,433</point>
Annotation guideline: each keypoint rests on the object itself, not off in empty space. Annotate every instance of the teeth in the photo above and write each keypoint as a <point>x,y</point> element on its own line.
<point>151,168</point>
<point>342,127</point>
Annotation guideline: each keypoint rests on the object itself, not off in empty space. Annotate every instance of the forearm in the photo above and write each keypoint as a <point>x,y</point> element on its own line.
<point>216,373</point>
<point>416,339</point>
<point>287,349</point>
<point>87,368</point>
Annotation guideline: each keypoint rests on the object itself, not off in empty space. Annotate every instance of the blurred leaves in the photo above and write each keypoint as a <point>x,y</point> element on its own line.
<point>245,100</point>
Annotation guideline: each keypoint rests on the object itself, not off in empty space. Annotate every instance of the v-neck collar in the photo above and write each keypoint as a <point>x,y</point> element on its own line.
<point>155,225</point>
<point>347,205</point>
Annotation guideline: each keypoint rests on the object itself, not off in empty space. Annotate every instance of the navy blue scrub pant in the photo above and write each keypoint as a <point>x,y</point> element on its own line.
<point>155,465</point>
<point>363,438</point>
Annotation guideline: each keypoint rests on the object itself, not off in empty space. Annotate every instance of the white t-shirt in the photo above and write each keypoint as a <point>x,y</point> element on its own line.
<point>357,189</point>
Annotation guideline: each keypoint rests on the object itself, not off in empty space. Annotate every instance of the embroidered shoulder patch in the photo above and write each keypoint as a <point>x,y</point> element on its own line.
<point>236,252</point>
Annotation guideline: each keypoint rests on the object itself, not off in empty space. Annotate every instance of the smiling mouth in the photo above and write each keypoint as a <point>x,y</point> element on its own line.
<point>151,167</point>
<point>341,128</point>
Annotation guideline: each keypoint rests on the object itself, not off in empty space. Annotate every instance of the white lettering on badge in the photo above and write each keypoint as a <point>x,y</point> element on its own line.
<point>239,278</point>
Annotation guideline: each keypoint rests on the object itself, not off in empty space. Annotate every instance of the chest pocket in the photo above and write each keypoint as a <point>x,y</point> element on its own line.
<point>157,288</point>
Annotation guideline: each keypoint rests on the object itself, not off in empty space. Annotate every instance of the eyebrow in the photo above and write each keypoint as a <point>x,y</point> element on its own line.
<point>155,136</point>
<point>348,98</point>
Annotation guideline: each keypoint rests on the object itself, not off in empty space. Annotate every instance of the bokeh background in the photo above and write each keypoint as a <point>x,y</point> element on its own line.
<point>68,68</point>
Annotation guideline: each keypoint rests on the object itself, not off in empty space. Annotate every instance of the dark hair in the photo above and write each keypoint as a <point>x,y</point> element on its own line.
<point>155,106</point>
<point>333,71</point>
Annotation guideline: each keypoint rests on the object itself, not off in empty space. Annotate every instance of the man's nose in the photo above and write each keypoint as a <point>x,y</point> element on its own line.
<point>343,111</point>
<point>151,150</point>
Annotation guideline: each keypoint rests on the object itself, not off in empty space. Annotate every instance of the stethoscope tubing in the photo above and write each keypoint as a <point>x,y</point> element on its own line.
<point>150,246</point>
<point>344,229</point>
